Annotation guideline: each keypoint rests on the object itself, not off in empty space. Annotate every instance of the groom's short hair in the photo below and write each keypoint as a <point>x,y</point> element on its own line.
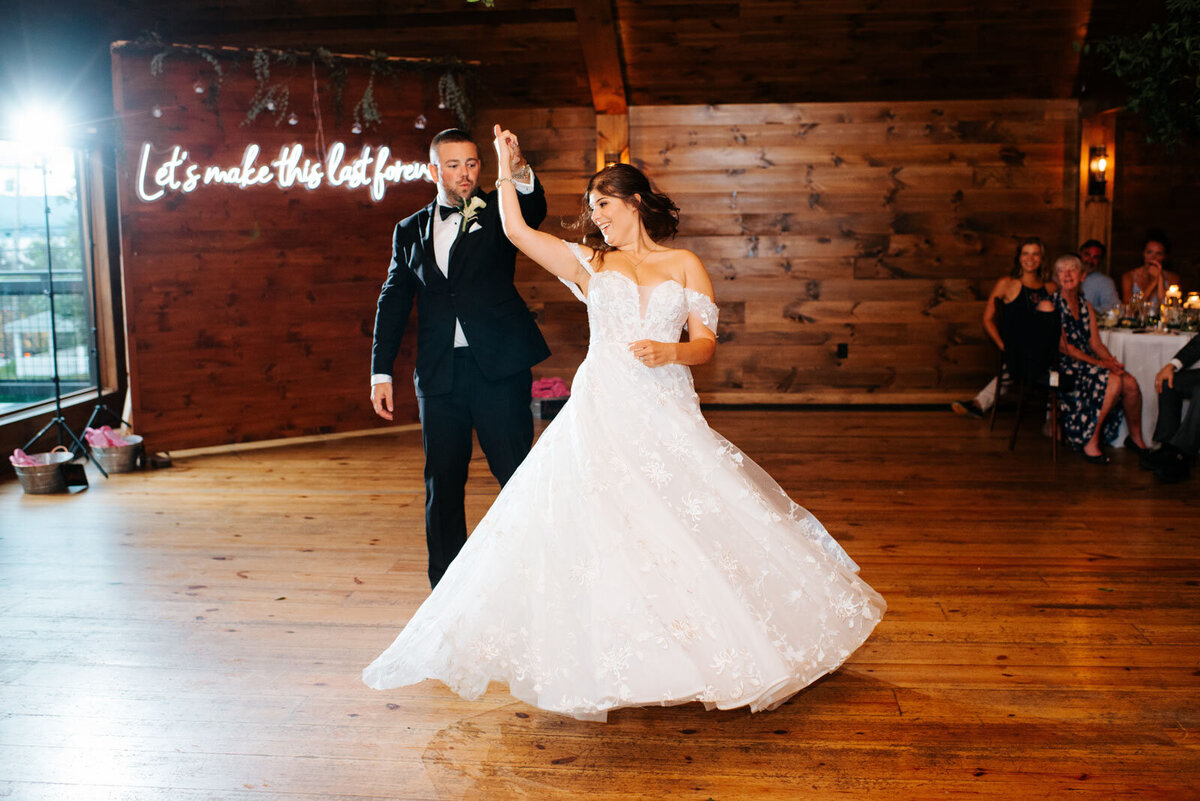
<point>449,136</point>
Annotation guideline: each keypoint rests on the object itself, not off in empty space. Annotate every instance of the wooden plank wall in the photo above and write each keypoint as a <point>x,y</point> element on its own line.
<point>880,227</point>
<point>250,311</point>
<point>1155,187</point>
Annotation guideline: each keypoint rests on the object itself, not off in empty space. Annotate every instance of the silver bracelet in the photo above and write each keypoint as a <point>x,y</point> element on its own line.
<point>502,180</point>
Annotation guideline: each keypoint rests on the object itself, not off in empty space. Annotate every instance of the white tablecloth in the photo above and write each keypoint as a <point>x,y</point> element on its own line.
<point>1143,355</point>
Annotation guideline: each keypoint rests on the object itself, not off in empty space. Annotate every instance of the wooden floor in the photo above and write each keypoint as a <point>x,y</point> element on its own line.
<point>198,633</point>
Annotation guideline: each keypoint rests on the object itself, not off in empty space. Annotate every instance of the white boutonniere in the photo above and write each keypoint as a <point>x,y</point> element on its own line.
<point>470,208</point>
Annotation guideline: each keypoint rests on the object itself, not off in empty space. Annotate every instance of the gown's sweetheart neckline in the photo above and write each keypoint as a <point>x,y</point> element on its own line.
<point>651,287</point>
<point>645,291</point>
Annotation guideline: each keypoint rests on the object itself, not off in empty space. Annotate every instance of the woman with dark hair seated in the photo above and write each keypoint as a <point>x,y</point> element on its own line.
<point>1094,381</point>
<point>1150,280</point>
<point>1026,293</point>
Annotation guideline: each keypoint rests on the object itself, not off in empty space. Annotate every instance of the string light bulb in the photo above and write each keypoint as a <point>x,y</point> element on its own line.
<point>293,119</point>
<point>420,122</point>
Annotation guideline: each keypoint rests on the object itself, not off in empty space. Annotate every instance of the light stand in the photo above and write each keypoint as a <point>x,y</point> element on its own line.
<point>59,423</point>
<point>100,412</point>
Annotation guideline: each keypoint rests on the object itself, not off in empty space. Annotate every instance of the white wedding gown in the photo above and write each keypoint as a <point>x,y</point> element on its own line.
<point>636,557</point>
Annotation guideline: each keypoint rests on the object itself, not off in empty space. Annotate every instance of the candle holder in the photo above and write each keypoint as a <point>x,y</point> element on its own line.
<point>1172,308</point>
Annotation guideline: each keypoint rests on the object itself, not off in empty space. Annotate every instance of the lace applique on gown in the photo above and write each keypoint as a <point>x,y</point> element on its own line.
<point>637,557</point>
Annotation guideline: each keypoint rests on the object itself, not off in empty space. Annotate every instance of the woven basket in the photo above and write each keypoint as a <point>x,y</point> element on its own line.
<point>46,476</point>
<point>120,459</point>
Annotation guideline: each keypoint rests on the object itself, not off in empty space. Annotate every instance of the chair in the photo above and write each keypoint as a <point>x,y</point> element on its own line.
<point>1031,357</point>
<point>1001,365</point>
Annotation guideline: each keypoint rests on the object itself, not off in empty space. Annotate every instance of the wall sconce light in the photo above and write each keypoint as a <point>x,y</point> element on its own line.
<point>1097,171</point>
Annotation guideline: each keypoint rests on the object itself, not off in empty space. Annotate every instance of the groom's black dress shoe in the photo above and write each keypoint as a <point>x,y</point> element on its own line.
<point>1152,460</point>
<point>1173,473</point>
<point>1177,467</point>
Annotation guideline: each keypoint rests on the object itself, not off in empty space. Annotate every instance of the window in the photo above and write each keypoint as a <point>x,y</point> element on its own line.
<point>43,191</point>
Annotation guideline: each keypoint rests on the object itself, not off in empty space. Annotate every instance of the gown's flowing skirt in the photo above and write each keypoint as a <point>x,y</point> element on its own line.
<point>637,558</point>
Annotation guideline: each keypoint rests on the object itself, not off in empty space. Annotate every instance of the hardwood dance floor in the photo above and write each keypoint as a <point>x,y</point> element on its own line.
<point>198,633</point>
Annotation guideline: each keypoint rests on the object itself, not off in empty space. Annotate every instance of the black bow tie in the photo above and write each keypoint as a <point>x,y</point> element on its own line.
<point>447,211</point>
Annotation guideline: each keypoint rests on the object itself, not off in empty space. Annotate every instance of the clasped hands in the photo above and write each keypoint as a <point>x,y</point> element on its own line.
<point>508,151</point>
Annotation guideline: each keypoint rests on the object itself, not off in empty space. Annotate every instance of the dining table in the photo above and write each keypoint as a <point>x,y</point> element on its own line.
<point>1143,352</point>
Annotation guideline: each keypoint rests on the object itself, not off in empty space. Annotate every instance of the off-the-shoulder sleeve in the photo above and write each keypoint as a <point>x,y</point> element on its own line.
<point>577,252</point>
<point>703,307</point>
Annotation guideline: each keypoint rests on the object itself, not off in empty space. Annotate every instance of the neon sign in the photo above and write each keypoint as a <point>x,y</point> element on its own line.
<point>374,170</point>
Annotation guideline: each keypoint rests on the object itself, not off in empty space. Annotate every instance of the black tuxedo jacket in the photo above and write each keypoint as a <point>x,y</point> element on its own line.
<point>479,291</point>
<point>1189,354</point>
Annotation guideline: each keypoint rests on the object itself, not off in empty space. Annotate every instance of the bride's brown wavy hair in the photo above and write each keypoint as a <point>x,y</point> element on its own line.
<point>659,214</point>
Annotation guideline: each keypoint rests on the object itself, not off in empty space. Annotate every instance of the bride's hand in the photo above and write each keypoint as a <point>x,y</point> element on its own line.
<point>651,353</point>
<point>508,152</point>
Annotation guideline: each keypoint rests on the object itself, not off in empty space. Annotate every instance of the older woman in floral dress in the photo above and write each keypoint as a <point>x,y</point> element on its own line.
<point>1096,381</point>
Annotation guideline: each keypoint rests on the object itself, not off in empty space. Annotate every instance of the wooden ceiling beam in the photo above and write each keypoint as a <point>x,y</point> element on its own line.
<point>317,26</point>
<point>598,38</point>
<point>602,55</point>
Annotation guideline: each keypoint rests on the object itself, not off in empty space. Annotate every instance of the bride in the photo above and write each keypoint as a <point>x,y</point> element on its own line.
<point>636,557</point>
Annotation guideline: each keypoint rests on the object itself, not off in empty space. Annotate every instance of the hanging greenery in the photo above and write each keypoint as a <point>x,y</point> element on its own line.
<point>452,94</point>
<point>337,80</point>
<point>1161,68</point>
<point>267,97</point>
<point>156,63</point>
<point>366,113</point>
<point>275,98</point>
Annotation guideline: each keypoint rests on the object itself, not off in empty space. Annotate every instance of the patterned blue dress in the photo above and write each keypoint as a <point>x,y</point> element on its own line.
<point>1081,402</point>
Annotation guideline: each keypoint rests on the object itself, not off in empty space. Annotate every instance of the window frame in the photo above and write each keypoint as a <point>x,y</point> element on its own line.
<point>96,199</point>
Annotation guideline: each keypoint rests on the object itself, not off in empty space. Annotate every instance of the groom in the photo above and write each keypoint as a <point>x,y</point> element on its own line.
<point>476,339</point>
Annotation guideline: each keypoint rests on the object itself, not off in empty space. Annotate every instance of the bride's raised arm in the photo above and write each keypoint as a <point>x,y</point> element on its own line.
<point>547,250</point>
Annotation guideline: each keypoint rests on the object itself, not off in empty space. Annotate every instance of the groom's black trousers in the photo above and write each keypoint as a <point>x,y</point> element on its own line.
<point>499,413</point>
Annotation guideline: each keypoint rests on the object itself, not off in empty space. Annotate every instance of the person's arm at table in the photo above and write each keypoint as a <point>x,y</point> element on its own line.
<point>1188,355</point>
<point>1106,359</point>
